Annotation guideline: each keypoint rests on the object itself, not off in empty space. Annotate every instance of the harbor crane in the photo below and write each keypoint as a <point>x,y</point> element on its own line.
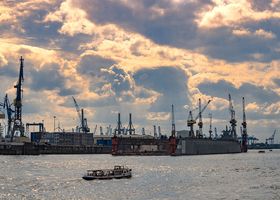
<point>159,132</point>
<point>244,145</point>
<point>210,125</point>
<point>119,129</point>
<point>101,130</point>
<point>18,125</point>
<point>270,140</point>
<point>252,139</point>
<point>40,126</point>
<point>130,129</point>
<point>143,131</point>
<point>83,126</point>
<point>215,131</point>
<point>2,114</point>
<point>172,138</point>
<point>95,128</point>
<point>8,106</point>
<point>191,121</point>
<point>232,118</point>
<point>155,131</point>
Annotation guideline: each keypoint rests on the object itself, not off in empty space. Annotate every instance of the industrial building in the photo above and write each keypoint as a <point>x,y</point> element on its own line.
<point>62,138</point>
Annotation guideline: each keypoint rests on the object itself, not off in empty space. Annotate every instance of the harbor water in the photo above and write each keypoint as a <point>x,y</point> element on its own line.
<point>242,176</point>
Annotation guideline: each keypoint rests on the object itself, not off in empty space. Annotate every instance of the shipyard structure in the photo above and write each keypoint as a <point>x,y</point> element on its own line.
<point>184,142</point>
<point>121,140</point>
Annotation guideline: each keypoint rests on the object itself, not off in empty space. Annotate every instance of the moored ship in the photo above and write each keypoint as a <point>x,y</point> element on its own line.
<point>194,146</point>
<point>102,174</point>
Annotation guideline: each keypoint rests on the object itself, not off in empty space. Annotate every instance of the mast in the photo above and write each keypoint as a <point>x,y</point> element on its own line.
<point>200,124</point>
<point>173,131</point>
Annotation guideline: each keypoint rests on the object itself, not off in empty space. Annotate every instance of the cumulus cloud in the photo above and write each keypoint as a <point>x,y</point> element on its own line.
<point>260,33</point>
<point>232,12</point>
<point>153,54</point>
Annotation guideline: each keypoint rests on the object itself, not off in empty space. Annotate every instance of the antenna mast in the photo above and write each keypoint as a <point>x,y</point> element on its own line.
<point>173,131</point>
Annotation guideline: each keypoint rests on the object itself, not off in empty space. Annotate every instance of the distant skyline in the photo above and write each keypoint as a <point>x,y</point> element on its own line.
<point>141,56</point>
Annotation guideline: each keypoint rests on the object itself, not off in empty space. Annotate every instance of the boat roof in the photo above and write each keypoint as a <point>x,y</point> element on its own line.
<point>115,167</point>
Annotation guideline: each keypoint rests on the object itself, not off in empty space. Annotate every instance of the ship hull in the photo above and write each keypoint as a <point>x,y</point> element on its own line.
<point>194,146</point>
<point>183,146</point>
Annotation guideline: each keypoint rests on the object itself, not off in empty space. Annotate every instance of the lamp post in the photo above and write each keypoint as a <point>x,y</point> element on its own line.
<point>54,117</point>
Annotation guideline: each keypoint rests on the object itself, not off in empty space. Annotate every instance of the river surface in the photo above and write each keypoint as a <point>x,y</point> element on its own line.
<point>244,176</point>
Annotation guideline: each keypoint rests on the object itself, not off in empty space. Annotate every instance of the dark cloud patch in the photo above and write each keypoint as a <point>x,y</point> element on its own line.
<point>277,81</point>
<point>261,5</point>
<point>32,107</point>
<point>49,78</point>
<point>97,103</point>
<point>91,65</point>
<point>39,32</point>
<point>170,82</point>
<point>9,70</point>
<point>177,27</point>
<point>42,34</point>
<point>68,91</point>
<point>252,93</point>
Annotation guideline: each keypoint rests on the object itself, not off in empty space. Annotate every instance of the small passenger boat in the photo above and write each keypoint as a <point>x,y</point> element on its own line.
<point>118,172</point>
<point>261,151</point>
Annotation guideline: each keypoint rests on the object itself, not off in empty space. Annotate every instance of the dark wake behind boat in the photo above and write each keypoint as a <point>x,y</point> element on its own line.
<point>118,172</point>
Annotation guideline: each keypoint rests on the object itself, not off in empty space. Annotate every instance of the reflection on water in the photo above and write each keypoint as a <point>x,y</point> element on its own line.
<point>230,176</point>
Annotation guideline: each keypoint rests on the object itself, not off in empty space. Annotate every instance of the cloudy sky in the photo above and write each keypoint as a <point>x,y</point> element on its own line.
<point>141,57</point>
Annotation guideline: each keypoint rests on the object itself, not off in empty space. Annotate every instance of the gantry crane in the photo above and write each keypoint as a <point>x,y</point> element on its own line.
<point>83,126</point>
<point>119,130</point>
<point>232,118</point>
<point>270,140</point>
<point>130,129</point>
<point>191,121</point>
<point>252,139</point>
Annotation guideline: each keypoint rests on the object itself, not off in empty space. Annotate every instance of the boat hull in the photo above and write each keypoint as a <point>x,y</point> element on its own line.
<point>194,146</point>
<point>118,172</point>
<point>90,178</point>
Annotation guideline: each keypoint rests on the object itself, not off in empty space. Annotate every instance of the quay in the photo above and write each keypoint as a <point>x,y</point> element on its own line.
<point>37,149</point>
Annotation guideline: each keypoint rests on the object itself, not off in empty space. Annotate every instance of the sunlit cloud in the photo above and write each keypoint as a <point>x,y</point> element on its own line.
<point>231,13</point>
<point>113,66</point>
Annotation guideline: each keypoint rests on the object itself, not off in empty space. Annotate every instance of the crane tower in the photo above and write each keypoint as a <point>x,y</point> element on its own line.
<point>191,121</point>
<point>232,118</point>
<point>18,125</point>
<point>173,131</point>
<point>244,129</point>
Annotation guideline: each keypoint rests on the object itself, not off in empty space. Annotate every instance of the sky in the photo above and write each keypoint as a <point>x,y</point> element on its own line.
<point>141,56</point>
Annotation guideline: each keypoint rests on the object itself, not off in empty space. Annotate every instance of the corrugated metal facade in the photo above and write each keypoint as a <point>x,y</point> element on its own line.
<point>62,138</point>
